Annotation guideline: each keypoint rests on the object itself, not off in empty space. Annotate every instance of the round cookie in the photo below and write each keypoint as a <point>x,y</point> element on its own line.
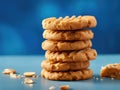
<point>70,75</point>
<point>65,45</point>
<point>69,23</point>
<point>51,66</point>
<point>68,35</point>
<point>71,56</point>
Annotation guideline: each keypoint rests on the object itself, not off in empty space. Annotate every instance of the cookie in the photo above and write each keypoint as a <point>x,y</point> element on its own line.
<point>111,71</point>
<point>68,35</point>
<point>71,56</point>
<point>65,45</point>
<point>51,66</point>
<point>69,23</point>
<point>9,71</point>
<point>70,75</point>
<point>29,74</point>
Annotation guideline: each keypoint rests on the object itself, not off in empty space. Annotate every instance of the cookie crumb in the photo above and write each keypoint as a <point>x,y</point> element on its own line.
<point>28,81</point>
<point>52,88</point>
<point>29,74</point>
<point>30,85</point>
<point>112,78</point>
<point>15,76</point>
<point>20,76</point>
<point>101,79</point>
<point>12,75</point>
<point>8,71</point>
<point>96,78</point>
<point>37,76</point>
<point>64,87</point>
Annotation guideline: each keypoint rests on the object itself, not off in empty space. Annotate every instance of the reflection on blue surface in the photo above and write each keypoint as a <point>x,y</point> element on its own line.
<point>21,30</point>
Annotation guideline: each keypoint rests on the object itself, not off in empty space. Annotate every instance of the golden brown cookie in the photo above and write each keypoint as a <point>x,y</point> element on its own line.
<point>68,35</point>
<point>9,71</point>
<point>111,70</point>
<point>65,45</point>
<point>71,56</point>
<point>69,23</point>
<point>52,66</point>
<point>70,75</point>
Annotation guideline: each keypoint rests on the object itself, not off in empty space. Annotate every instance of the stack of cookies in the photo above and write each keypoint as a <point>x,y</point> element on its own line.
<point>68,48</point>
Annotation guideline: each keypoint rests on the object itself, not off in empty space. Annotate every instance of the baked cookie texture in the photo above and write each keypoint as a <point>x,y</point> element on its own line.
<point>68,47</point>
<point>68,35</point>
<point>69,23</point>
<point>70,75</point>
<point>72,56</point>
<point>60,66</point>
<point>111,71</point>
<point>65,45</point>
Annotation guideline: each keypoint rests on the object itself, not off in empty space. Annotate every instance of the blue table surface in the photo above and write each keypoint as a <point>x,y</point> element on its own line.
<point>32,63</point>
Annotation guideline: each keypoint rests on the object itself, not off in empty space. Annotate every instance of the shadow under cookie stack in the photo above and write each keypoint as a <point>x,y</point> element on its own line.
<point>68,48</point>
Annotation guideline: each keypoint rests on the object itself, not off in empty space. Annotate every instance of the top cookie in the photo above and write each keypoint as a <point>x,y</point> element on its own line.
<point>69,23</point>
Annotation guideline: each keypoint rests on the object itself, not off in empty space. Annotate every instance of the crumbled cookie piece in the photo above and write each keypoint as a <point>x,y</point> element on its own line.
<point>20,76</point>
<point>64,87</point>
<point>29,74</point>
<point>101,79</point>
<point>37,76</point>
<point>97,78</point>
<point>8,71</point>
<point>15,76</point>
<point>28,81</point>
<point>112,78</point>
<point>12,75</point>
<point>111,71</point>
<point>52,88</point>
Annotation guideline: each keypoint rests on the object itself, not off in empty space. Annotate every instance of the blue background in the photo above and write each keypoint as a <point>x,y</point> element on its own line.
<point>21,30</point>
